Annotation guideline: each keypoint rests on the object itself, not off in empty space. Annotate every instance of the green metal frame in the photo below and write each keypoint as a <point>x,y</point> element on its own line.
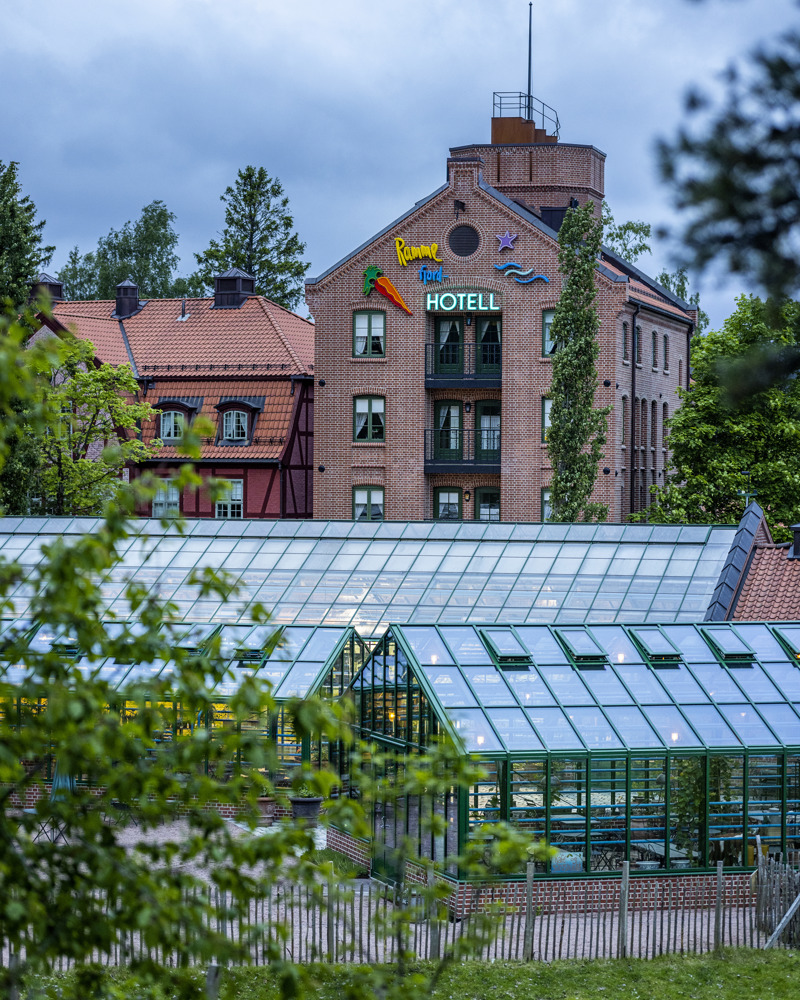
<point>369,313</point>
<point>685,807</point>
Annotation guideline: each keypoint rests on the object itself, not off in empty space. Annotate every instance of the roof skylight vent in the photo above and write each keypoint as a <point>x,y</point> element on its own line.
<point>505,647</point>
<point>233,288</point>
<point>582,648</point>
<point>656,647</point>
<point>732,650</point>
<point>127,301</point>
<point>790,637</point>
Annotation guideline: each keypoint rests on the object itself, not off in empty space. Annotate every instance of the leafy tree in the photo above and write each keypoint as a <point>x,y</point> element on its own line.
<point>22,254</point>
<point>20,486</point>
<point>577,429</point>
<point>90,433</point>
<point>719,454</point>
<point>678,284</point>
<point>259,238</point>
<point>628,239</point>
<point>143,250</point>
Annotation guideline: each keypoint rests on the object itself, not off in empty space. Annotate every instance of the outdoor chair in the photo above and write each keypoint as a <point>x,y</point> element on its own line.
<point>51,827</point>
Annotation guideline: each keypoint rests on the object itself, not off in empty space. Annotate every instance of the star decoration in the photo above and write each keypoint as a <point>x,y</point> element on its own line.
<point>507,241</point>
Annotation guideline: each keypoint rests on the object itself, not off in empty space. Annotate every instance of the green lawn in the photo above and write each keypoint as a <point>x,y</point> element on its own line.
<point>737,975</point>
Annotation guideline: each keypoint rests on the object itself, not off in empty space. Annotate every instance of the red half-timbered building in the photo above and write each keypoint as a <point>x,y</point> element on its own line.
<point>240,360</point>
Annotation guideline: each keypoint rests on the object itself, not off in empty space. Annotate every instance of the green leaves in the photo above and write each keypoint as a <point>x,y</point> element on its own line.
<point>21,252</point>
<point>577,431</point>
<point>259,238</point>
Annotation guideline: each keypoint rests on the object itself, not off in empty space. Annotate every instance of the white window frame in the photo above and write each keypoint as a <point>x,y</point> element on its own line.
<point>373,497</point>
<point>167,500</point>
<point>172,425</point>
<point>547,506</point>
<point>232,507</point>
<point>235,425</point>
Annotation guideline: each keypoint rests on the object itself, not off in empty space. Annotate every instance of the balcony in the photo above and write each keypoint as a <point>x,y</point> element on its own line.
<point>448,450</point>
<point>448,365</point>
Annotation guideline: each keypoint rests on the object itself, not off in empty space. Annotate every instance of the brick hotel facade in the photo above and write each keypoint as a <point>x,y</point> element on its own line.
<point>432,354</point>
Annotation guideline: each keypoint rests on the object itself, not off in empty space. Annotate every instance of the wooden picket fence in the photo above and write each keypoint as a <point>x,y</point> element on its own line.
<point>778,903</point>
<point>366,922</point>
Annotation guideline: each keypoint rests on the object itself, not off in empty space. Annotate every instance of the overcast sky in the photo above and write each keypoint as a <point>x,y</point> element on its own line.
<point>352,104</point>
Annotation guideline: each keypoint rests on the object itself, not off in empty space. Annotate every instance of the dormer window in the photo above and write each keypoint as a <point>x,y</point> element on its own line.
<point>172,425</point>
<point>234,425</point>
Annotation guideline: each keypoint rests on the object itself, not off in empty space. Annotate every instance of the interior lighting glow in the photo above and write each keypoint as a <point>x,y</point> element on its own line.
<point>620,657</point>
<point>434,658</point>
<point>675,737</point>
<point>480,741</point>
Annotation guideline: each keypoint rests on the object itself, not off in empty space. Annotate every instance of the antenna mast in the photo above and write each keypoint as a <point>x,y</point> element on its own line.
<point>530,55</point>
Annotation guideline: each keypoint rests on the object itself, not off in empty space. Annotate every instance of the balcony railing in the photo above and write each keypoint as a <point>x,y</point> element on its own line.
<point>465,450</point>
<point>449,364</point>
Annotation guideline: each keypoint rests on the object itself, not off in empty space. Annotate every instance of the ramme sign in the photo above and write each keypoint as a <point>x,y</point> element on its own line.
<point>462,301</point>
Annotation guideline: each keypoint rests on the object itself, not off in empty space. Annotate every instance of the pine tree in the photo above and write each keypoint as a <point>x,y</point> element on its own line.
<point>21,252</point>
<point>258,238</point>
<point>577,430</point>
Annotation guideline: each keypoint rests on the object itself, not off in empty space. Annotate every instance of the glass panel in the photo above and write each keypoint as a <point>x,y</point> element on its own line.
<point>707,721</point>
<point>554,728</point>
<point>542,644</point>
<point>655,642</point>
<point>635,730</point>
<point>466,645</point>
<point>764,805</point>
<point>689,642</point>
<point>529,688</point>
<point>687,812</point>
<point>528,785</point>
<point>757,686</point>
<point>298,682</point>
<point>483,799</point>
<point>594,728</point>
<point>449,685</point>
<point>783,720</point>
<point>681,685</point>
<point>321,644</point>
<point>671,726</point>
<point>787,677</point>
<point>514,728</point>
<point>475,731</point>
<point>426,645</point>
<point>291,643</point>
<point>568,815</point>
<point>489,685</point>
<point>642,683</point>
<point>614,640</point>
<point>581,643</point>
<point>761,641</point>
<point>725,810</point>
<point>749,725</point>
<point>606,687</point>
<point>607,814</point>
<point>727,640</point>
<point>648,825</point>
<point>566,685</point>
<point>793,804</point>
<point>717,682</point>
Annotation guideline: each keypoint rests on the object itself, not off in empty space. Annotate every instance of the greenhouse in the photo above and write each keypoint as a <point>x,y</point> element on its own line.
<point>674,747</point>
<point>297,661</point>
<point>369,575</point>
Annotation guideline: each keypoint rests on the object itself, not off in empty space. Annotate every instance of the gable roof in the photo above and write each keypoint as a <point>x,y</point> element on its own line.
<point>260,337</point>
<point>770,590</point>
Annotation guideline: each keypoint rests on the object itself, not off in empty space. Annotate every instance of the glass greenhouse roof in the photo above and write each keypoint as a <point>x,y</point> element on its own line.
<point>295,668</point>
<point>620,699</point>
<point>368,574</point>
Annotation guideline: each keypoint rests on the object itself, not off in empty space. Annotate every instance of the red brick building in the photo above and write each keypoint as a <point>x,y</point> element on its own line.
<point>242,361</point>
<point>433,360</point>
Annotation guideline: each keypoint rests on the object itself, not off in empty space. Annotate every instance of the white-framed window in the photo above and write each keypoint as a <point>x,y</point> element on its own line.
<point>233,504</point>
<point>167,501</point>
<point>547,407</point>
<point>234,425</point>
<point>172,424</point>
<point>368,418</point>
<point>369,334</point>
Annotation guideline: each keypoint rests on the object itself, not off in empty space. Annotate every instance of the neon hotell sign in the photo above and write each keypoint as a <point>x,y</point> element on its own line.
<point>462,302</point>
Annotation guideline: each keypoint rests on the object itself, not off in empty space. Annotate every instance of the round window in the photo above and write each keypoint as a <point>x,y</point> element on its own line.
<point>464,240</point>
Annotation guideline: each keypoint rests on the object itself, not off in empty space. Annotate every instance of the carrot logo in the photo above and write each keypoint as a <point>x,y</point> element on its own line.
<point>374,279</point>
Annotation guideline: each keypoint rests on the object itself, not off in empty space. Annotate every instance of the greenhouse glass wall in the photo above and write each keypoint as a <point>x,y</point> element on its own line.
<point>297,661</point>
<point>674,747</point>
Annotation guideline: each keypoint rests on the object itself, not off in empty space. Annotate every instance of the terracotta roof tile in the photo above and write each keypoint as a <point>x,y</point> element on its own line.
<point>272,423</point>
<point>771,590</point>
<point>260,336</point>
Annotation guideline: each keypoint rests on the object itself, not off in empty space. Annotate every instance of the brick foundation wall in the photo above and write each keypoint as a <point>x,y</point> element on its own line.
<point>576,895</point>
